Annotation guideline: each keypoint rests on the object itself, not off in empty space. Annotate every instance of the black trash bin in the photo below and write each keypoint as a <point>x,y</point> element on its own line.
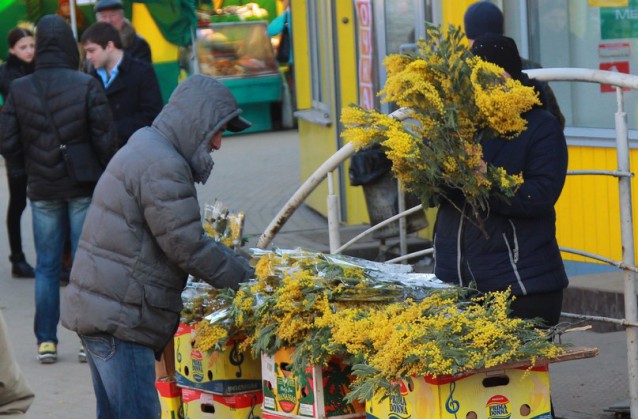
<point>370,169</point>
<point>382,201</point>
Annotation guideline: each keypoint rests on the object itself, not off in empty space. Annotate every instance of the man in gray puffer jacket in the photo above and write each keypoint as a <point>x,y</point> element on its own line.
<point>143,235</point>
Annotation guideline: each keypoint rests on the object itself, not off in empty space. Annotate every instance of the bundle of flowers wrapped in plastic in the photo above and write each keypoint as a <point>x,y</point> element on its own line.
<point>446,333</point>
<point>294,287</point>
<point>384,320</point>
<point>224,226</point>
<point>456,99</point>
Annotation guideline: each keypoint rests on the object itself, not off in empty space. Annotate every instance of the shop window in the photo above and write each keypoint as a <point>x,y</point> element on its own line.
<point>403,24</point>
<point>586,34</point>
<point>321,64</point>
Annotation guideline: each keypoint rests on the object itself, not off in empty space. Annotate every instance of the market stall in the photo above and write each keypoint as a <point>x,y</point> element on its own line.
<point>241,56</point>
<point>317,335</point>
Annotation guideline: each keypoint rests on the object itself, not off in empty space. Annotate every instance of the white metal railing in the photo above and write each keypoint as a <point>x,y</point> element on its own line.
<point>623,173</point>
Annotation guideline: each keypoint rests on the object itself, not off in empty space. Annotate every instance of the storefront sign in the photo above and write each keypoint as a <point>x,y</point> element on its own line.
<point>364,34</point>
<point>617,66</point>
<point>619,22</point>
<point>614,49</point>
<point>608,3</point>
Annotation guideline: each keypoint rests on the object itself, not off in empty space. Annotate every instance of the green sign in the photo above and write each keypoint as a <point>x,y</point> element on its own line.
<point>619,22</point>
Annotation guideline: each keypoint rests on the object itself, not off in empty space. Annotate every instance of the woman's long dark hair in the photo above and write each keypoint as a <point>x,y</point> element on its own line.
<point>17,34</point>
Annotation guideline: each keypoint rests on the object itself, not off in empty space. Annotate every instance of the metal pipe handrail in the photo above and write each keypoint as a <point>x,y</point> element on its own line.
<point>621,322</point>
<point>623,173</point>
<point>614,173</point>
<point>617,264</point>
<point>584,75</point>
<point>378,226</point>
<point>412,255</point>
<point>302,193</point>
<point>311,183</point>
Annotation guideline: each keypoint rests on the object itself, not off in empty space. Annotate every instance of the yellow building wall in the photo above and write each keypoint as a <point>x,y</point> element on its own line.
<point>588,211</point>
<point>317,142</point>
<point>356,211</point>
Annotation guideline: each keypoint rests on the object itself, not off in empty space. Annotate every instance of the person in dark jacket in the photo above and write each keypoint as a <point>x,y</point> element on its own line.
<point>517,246</point>
<point>142,237</point>
<point>484,17</point>
<point>112,11</point>
<point>19,63</point>
<point>130,84</point>
<point>44,113</point>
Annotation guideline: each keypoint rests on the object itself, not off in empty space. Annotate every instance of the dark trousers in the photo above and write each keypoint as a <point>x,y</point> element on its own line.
<point>547,306</point>
<point>17,204</point>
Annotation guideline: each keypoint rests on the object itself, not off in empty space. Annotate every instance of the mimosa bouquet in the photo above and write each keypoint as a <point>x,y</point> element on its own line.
<point>456,100</point>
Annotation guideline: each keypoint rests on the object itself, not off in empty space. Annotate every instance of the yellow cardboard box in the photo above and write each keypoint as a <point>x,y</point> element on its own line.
<point>201,405</point>
<point>290,396</point>
<point>170,398</point>
<point>226,372</point>
<point>503,394</point>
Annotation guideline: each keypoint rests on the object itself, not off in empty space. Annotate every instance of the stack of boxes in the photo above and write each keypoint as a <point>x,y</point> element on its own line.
<point>224,384</point>
<point>501,394</point>
<point>170,398</point>
<point>318,393</point>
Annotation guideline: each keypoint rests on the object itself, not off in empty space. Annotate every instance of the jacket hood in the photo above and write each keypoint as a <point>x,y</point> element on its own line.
<point>127,34</point>
<point>526,81</point>
<point>198,108</point>
<point>55,45</point>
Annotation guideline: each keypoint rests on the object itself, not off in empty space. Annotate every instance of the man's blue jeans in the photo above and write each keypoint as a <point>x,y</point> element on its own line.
<point>123,378</point>
<point>51,219</point>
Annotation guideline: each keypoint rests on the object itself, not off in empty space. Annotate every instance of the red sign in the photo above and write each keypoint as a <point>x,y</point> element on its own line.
<point>614,49</point>
<point>365,42</point>
<point>365,70</point>
<point>366,96</point>
<point>364,34</point>
<point>618,67</point>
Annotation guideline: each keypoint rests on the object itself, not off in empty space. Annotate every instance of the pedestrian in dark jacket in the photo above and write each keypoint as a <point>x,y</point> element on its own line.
<point>19,63</point>
<point>112,11</point>
<point>46,112</point>
<point>130,84</point>
<point>142,237</point>
<point>484,17</point>
<point>517,246</point>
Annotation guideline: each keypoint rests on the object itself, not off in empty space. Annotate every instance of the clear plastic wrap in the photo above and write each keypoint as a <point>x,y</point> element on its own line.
<point>223,225</point>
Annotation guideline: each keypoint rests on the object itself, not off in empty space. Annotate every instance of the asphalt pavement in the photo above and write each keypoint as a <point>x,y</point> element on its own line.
<point>257,173</point>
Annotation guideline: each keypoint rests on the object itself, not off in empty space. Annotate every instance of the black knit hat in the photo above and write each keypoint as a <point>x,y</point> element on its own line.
<point>108,5</point>
<point>481,18</point>
<point>499,50</point>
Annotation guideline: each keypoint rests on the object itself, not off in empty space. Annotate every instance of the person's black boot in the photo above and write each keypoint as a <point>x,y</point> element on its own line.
<point>20,268</point>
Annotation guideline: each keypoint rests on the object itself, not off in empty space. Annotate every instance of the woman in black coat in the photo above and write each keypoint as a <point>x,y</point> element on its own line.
<point>19,63</point>
<point>517,247</point>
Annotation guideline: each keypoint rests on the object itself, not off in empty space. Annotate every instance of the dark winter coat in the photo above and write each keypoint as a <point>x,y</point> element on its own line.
<point>143,233</point>
<point>78,108</point>
<point>12,69</point>
<point>550,102</point>
<point>520,250</point>
<point>134,96</point>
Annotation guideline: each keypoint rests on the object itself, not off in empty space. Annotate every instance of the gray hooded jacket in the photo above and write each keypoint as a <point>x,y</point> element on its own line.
<point>143,233</point>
